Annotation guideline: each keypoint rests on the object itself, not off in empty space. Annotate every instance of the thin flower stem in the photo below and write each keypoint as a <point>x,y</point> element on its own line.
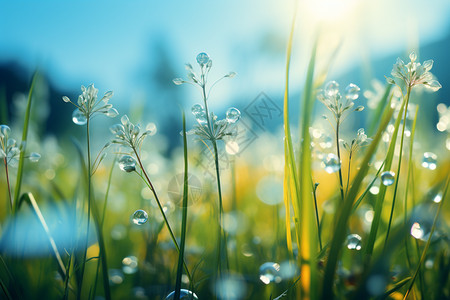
<point>219,189</point>
<point>89,208</point>
<point>150,185</point>
<point>8,184</point>
<point>338,152</point>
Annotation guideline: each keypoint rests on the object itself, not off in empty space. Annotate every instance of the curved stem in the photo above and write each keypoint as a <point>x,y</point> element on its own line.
<point>150,185</point>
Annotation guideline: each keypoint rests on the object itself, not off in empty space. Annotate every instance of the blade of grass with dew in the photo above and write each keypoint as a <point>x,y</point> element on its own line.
<point>29,198</point>
<point>290,182</point>
<point>100,239</point>
<point>184,215</point>
<point>308,246</point>
<point>379,110</point>
<point>397,177</point>
<point>433,228</point>
<point>382,193</point>
<point>339,233</point>
<point>23,144</point>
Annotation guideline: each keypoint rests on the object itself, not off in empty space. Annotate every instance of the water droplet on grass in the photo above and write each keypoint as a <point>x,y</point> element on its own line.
<point>233,115</point>
<point>416,231</point>
<point>196,109</point>
<point>331,88</point>
<point>354,242</point>
<point>202,59</point>
<point>184,295</point>
<point>34,157</point>
<point>127,163</point>
<point>78,117</point>
<point>387,178</point>
<point>331,163</point>
<point>429,160</point>
<point>352,91</point>
<point>140,217</point>
<point>269,272</point>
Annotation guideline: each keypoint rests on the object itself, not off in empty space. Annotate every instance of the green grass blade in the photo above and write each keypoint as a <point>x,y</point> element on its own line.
<point>308,246</point>
<point>382,193</point>
<point>29,198</point>
<point>290,182</point>
<point>339,233</point>
<point>23,144</point>
<point>397,177</point>
<point>184,215</point>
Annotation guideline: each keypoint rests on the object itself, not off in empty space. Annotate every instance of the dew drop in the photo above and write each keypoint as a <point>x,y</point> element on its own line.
<point>352,91</point>
<point>269,272</point>
<point>416,231</point>
<point>34,157</point>
<point>429,160</point>
<point>233,115</point>
<point>201,118</point>
<point>115,276</point>
<point>331,88</point>
<point>354,242</point>
<point>140,217</point>
<point>184,295</point>
<point>331,163</point>
<point>127,163</point>
<point>78,117</point>
<point>387,178</point>
<point>130,264</point>
<point>196,109</point>
<point>202,59</point>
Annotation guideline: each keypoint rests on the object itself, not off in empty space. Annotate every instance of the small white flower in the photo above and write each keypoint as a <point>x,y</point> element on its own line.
<point>88,104</point>
<point>413,73</point>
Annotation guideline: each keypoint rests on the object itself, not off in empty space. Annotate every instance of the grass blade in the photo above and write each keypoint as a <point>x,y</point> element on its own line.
<point>29,198</point>
<point>308,246</point>
<point>342,219</point>
<point>184,216</point>
<point>382,193</point>
<point>23,144</point>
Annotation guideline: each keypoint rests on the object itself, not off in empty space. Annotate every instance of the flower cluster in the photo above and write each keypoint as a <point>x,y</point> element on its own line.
<point>9,151</point>
<point>332,99</point>
<point>413,74</point>
<point>219,128</point>
<point>209,128</point>
<point>205,64</point>
<point>87,105</point>
<point>128,134</point>
<point>360,141</point>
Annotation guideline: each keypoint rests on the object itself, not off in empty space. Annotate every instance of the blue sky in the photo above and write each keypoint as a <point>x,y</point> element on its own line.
<point>110,42</point>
